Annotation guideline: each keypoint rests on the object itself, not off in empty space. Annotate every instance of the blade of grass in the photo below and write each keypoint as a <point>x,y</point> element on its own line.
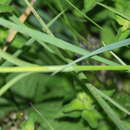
<point>84,15</point>
<point>12,82</point>
<point>44,26</point>
<point>109,99</point>
<point>77,68</point>
<point>116,57</point>
<point>42,117</point>
<point>112,101</point>
<point>105,48</point>
<point>56,18</point>
<point>66,20</point>
<point>109,111</point>
<point>98,51</point>
<point>18,52</point>
<point>46,29</point>
<point>113,10</point>
<point>14,59</point>
<point>37,35</point>
<point>16,20</point>
<point>99,68</point>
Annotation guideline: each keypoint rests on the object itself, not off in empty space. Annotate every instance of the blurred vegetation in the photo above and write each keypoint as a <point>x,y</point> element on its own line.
<point>42,101</point>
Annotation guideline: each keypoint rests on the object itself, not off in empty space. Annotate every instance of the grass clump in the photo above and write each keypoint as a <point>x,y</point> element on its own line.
<point>64,65</point>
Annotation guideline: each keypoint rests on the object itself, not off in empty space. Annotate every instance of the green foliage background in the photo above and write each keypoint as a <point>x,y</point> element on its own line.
<point>73,100</point>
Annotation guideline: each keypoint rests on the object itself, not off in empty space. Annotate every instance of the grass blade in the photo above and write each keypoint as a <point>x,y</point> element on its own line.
<point>76,68</point>
<point>112,101</point>
<point>84,15</point>
<point>44,26</point>
<point>12,82</point>
<point>114,11</point>
<point>18,52</point>
<point>101,50</point>
<point>55,18</point>
<point>13,59</point>
<point>39,36</point>
<point>111,114</point>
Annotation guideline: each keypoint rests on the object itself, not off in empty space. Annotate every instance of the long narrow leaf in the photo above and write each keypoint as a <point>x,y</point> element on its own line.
<point>114,11</point>
<point>111,114</point>
<point>83,14</point>
<point>76,68</point>
<point>101,50</point>
<point>12,82</point>
<point>112,102</point>
<point>39,36</point>
<point>14,59</point>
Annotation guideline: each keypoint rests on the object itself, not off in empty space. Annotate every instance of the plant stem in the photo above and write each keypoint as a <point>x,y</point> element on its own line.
<point>58,67</point>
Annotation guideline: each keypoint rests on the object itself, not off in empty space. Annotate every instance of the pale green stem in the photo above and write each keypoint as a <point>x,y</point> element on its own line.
<point>117,57</point>
<point>84,15</point>
<point>55,18</point>
<point>76,68</point>
<point>45,27</point>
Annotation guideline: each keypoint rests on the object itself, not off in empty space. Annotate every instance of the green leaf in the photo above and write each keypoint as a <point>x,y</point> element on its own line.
<point>52,40</point>
<point>109,111</point>
<point>12,82</point>
<point>3,35</point>
<point>5,2</point>
<point>89,4</point>
<point>123,22</point>
<point>38,87</point>
<point>83,14</point>
<point>122,34</point>
<point>123,7</point>
<point>73,106</point>
<point>120,13</point>
<point>4,101</point>
<point>13,59</point>
<point>107,31</point>
<point>73,114</point>
<point>31,87</point>
<point>82,102</point>
<point>104,126</point>
<point>91,117</point>
<point>127,123</point>
<point>127,54</point>
<point>6,9</point>
<point>123,98</point>
<point>18,42</point>
<point>109,92</point>
<point>98,51</point>
<point>47,115</point>
<point>30,123</point>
